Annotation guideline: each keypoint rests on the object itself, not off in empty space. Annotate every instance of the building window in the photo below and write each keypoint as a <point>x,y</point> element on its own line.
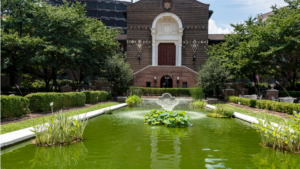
<point>108,22</point>
<point>121,7</point>
<point>121,24</point>
<point>91,13</point>
<point>57,77</point>
<point>184,84</point>
<point>91,5</point>
<point>148,84</point>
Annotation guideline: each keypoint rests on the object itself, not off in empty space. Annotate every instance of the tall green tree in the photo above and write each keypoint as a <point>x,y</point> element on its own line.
<point>17,46</point>
<point>118,73</point>
<point>212,74</point>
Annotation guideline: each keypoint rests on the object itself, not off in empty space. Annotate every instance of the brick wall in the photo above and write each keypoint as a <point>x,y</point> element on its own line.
<point>147,75</point>
<point>140,17</point>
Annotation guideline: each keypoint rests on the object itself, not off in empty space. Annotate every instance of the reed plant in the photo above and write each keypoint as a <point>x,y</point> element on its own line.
<point>285,136</point>
<point>198,105</point>
<point>59,131</point>
<point>197,93</point>
<point>221,113</point>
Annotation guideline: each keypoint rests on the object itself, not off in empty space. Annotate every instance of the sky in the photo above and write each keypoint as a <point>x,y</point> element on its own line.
<point>228,12</point>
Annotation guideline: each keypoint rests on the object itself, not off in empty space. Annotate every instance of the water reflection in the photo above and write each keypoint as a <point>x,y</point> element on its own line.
<point>58,157</point>
<point>163,160</point>
<point>269,158</point>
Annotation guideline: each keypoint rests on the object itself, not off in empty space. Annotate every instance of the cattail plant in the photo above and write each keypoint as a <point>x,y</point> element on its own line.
<point>18,87</point>
<point>283,88</point>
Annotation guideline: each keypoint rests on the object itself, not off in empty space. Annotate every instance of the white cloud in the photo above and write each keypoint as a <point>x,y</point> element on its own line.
<point>214,29</point>
<point>257,6</point>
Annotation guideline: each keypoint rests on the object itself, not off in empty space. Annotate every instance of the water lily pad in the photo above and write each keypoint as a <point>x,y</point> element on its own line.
<point>174,114</point>
<point>163,114</point>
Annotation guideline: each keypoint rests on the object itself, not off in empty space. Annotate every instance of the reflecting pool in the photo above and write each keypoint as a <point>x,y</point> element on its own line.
<point>122,140</point>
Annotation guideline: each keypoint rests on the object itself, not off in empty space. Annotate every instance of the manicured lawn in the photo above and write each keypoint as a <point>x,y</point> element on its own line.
<point>260,115</point>
<point>29,123</point>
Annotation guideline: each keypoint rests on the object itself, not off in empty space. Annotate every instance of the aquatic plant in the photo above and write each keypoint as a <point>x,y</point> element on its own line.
<point>168,118</point>
<point>286,136</point>
<point>198,105</point>
<point>60,131</point>
<point>221,113</point>
<point>134,101</point>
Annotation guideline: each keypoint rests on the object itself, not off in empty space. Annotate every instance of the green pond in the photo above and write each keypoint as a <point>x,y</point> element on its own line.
<point>122,140</point>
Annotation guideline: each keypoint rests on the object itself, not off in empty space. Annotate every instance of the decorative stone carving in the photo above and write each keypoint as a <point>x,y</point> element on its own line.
<point>167,26</point>
<point>195,46</point>
<point>167,5</point>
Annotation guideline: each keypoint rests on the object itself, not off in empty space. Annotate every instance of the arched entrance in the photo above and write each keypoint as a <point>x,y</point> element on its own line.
<point>167,29</point>
<point>166,82</point>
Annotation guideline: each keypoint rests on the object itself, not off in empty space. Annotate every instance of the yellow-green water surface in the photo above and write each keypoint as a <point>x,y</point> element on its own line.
<point>122,140</point>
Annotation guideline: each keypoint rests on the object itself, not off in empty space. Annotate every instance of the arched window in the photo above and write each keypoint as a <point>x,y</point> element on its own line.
<point>65,76</point>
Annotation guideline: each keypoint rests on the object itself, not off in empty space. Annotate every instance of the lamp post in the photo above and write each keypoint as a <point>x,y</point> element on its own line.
<point>177,79</point>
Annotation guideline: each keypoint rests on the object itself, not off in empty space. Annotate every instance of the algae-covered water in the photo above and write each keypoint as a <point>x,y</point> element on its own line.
<point>122,140</point>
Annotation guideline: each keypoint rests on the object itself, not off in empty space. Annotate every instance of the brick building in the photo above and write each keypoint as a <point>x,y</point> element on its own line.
<point>167,40</point>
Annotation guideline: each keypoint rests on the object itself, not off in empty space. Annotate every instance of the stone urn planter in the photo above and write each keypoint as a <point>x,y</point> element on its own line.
<point>272,86</point>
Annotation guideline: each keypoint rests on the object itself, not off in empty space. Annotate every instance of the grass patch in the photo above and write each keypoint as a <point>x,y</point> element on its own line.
<point>36,121</point>
<point>260,115</point>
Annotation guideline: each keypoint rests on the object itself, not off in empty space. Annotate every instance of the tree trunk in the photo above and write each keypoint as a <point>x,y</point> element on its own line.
<point>54,77</point>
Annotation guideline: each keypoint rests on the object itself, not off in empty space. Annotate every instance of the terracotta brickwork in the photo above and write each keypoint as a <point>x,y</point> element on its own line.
<point>194,16</point>
<point>185,75</point>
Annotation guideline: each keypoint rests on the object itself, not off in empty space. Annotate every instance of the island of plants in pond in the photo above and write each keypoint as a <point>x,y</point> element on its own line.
<point>62,130</point>
<point>168,118</point>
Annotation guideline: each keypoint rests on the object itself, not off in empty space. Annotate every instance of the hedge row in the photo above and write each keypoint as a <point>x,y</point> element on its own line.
<point>14,106</point>
<point>40,102</point>
<point>278,106</point>
<point>266,104</point>
<point>91,96</point>
<point>291,93</point>
<point>243,101</point>
<point>159,91</point>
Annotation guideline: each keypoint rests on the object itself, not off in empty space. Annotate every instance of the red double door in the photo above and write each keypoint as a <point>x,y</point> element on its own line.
<point>166,54</point>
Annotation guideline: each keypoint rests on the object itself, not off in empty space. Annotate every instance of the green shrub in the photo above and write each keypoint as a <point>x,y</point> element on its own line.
<point>139,91</point>
<point>40,102</point>
<point>134,101</point>
<point>243,101</point>
<point>292,93</point>
<point>198,105</point>
<point>197,93</point>
<point>168,118</point>
<point>221,113</point>
<point>14,106</point>
<point>91,96</point>
<point>74,99</point>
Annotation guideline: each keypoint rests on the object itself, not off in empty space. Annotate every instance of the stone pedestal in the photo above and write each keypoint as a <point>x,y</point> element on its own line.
<point>121,99</point>
<point>65,89</point>
<point>228,92</point>
<point>272,93</point>
<point>212,101</point>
